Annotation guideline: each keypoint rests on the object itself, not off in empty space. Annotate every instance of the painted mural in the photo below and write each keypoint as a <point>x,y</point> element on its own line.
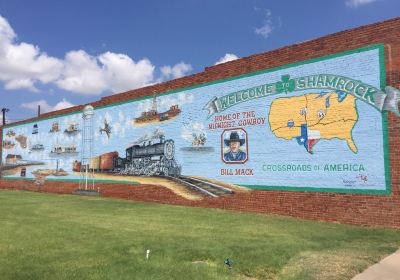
<point>316,125</point>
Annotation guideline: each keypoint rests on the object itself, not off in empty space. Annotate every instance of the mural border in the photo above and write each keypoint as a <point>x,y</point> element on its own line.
<point>379,47</point>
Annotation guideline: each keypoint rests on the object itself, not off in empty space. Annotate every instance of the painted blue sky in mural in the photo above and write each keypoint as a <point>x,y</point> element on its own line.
<point>70,52</point>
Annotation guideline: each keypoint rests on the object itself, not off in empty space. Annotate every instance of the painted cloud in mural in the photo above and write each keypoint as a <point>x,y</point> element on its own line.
<point>191,129</point>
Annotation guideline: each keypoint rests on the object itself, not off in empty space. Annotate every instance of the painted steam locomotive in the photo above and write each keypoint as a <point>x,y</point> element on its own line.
<point>151,159</point>
<point>148,159</point>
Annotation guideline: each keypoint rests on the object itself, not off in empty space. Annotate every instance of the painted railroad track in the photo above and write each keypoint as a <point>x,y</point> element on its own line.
<point>204,187</point>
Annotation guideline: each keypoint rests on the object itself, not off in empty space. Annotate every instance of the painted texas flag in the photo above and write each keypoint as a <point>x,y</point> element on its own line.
<point>313,138</point>
<point>308,138</point>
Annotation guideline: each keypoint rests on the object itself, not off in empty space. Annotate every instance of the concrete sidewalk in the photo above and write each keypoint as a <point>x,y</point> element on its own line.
<point>386,269</point>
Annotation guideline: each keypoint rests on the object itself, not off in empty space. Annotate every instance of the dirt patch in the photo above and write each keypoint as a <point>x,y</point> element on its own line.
<point>336,264</point>
<point>245,277</point>
<point>200,262</point>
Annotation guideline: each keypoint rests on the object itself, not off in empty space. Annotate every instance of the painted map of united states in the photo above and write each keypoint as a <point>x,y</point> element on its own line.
<point>313,117</point>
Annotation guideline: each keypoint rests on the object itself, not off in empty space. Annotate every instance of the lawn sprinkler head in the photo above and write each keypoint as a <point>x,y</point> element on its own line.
<point>229,263</point>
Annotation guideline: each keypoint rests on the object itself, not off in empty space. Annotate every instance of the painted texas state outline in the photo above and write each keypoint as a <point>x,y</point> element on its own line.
<point>314,116</point>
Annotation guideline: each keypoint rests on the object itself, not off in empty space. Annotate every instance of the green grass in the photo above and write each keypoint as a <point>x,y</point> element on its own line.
<point>46,236</point>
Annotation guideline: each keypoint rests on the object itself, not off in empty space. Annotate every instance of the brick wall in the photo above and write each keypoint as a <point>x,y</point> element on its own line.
<point>371,210</point>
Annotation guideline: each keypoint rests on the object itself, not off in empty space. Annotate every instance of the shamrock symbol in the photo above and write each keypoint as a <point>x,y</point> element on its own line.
<point>286,85</point>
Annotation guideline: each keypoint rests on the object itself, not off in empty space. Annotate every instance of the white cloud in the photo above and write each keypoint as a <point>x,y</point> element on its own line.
<point>46,107</point>
<point>227,57</point>
<point>91,75</point>
<point>357,3</point>
<point>178,70</point>
<point>6,31</point>
<point>23,66</point>
<point>122,73</point>
<point>20,83</point>
<point>82,74</point>
<point>63,104</point>
<point>266,29</point>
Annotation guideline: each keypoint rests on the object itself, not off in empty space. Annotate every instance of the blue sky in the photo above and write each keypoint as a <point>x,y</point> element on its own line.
<point>63,53</point>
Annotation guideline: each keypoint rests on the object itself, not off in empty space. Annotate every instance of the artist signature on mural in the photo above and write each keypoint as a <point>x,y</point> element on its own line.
<point>362,178</point>
<point>352,182</point>
<point>348,182</point>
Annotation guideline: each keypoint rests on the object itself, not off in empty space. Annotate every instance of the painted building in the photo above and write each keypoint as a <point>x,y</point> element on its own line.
<point>12,159</point>
<point>316,121</point>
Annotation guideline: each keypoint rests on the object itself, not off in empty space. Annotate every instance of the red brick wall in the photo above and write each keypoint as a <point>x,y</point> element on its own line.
<point>371,210</point>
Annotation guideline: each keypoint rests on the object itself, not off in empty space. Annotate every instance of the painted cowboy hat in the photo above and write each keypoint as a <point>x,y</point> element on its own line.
<point>234,137</point>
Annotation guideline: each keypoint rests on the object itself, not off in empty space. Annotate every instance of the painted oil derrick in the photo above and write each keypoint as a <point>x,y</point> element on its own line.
<point>153,115</point>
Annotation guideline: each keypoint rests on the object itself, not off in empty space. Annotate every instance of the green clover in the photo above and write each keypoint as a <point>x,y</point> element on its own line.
<point>286,85</point>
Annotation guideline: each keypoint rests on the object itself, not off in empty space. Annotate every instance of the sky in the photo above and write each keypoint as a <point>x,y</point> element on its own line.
<point>63,53</point>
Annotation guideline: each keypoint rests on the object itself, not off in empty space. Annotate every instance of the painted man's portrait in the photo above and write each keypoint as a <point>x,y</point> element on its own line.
<point>235,149</point>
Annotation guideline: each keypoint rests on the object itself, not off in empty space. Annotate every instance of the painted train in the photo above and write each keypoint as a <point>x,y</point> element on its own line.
<point>102,163</point>
<point>148,159</point>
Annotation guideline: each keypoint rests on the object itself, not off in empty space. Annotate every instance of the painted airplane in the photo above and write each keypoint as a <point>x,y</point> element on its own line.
<point>106,128</point>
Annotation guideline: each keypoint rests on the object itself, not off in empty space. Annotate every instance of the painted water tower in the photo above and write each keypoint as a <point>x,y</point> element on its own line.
<point>86,181</point>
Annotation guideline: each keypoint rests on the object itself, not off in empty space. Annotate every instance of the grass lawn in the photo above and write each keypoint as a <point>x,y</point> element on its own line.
<point>46,236</point>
